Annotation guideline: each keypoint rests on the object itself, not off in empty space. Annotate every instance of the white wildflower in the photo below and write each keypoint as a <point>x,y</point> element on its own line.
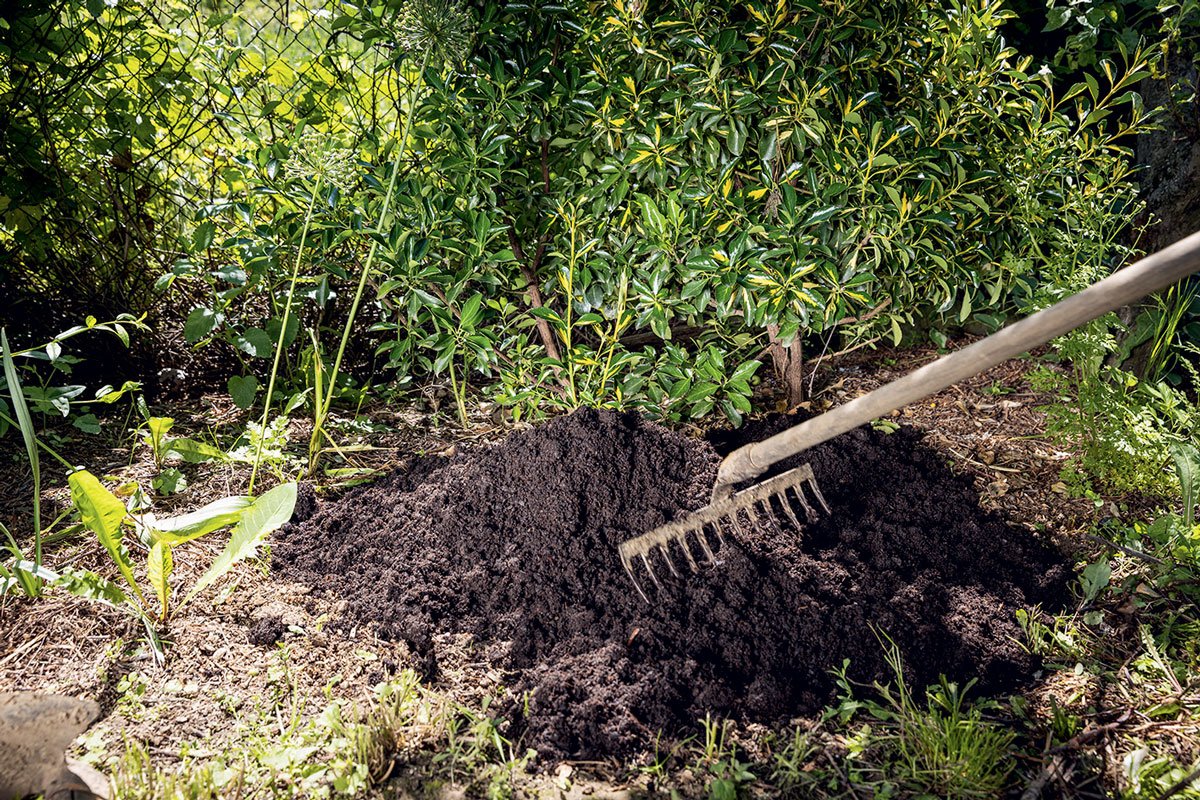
<point>443,29</point>
<point>318,157</point>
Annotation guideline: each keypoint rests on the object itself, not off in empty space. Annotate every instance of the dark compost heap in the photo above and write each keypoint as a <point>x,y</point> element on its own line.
<point>516,545</point>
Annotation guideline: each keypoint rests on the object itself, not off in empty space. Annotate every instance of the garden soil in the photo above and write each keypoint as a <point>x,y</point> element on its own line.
<point>516,545</point>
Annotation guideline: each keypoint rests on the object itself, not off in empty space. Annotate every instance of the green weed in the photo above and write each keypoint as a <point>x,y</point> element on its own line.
<point>942,748</point>
<point>136,777</point>
<point>718,758</point>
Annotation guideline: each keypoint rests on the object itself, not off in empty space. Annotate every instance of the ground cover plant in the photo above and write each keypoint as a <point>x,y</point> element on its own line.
<point>257,254</point>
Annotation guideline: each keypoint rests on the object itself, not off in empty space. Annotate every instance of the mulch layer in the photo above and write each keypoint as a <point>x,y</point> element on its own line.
<point>516,545</point>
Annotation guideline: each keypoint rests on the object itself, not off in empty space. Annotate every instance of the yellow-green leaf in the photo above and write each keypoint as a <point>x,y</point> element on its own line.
<point>158,571</point>
<point>265,515</point>
<point>103,514</point>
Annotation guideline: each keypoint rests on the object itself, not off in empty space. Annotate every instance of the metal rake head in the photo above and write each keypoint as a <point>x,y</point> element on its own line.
<point>783,489</point>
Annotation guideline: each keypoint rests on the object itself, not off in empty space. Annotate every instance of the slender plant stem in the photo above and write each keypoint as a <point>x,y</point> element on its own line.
<point>29,435</point>
<point>279,343</point>
<point>50,450</point>
<point>616,335</point>
<point>323,404</point>
<point>569,352</point>
<point>459,396</point>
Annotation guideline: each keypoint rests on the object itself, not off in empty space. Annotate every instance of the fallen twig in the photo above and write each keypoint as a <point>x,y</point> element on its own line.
<point>1034,790</point>
<point>1129,551</point>
<point>1187,781</point>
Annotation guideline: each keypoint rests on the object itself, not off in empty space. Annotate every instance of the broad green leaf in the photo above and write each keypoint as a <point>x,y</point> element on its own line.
<point>169,481</point>
<point>103,513</point>
<point>109,395</point>
<point>265,515</point>
<point>195,452</point>
<point>1056,18</point>
<point>255,342</point>
<point>470,311</point>
<point>158,430</point>
<point>90,586</point>
<point>701,391</point>
<point>1094,578</point>
<point>158,571</point>
<point>214,516</point>
<point>1187,470</point>
<point>200,323</point>
<point>823,215</point>
<point>243,389</point>
<point>202,237</point>
<point>745,370</point>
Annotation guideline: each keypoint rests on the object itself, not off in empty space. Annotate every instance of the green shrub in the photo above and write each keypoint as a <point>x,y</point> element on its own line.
<point>625,190</point>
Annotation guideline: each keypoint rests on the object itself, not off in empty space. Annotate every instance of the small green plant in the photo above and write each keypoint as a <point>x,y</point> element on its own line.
<point>1123,425</point>
<point>1064,725</point>
<point>459,337</point>
<point>136,777</point>
<point>155,436</point>
<point>718,758</point>
<point>103,513</point>
<point>944,748</point>
<point>1174,536</point>
<point>792,763</point>
<point>1060,637</point>
<point>171,480</point>
<point>266,447</point>
<point>162,446</point>
<point>1149,775</point>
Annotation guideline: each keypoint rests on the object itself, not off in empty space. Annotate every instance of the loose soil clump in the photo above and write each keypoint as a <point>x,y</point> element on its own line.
<point>516,544</point>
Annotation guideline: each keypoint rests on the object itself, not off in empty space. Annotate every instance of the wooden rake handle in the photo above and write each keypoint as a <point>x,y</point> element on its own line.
<point>1148,275</point>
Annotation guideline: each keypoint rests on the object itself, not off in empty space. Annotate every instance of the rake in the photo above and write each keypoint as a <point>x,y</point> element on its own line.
<point>693,534</point>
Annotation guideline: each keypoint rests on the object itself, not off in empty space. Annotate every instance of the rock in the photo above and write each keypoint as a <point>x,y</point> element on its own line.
<point>35,731</point>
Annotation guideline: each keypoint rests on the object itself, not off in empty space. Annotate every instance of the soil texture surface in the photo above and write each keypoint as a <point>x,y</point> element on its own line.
<point>516,545</point>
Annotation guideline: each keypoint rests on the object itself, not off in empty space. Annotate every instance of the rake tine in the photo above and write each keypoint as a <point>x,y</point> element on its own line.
<point>687,552</point>
<point>808,510</point>
<point>737,526</point>
<point>816,490</point>
<point>720,532</point>
<point>708,553</point>
<point>787,509</point>
<point>629,570</point>
<point>772,517</point>
<point>650,569</point>
<point>666,554</point>
<point>752,515</point>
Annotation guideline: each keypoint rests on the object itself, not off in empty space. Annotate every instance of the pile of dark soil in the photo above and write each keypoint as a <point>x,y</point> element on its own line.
<point>516,544</point>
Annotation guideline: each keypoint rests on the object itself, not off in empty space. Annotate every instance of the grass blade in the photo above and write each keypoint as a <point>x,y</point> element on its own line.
<point>25,422</point>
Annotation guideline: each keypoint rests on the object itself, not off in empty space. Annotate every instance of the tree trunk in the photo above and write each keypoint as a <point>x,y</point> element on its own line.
<point>788,361</point>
